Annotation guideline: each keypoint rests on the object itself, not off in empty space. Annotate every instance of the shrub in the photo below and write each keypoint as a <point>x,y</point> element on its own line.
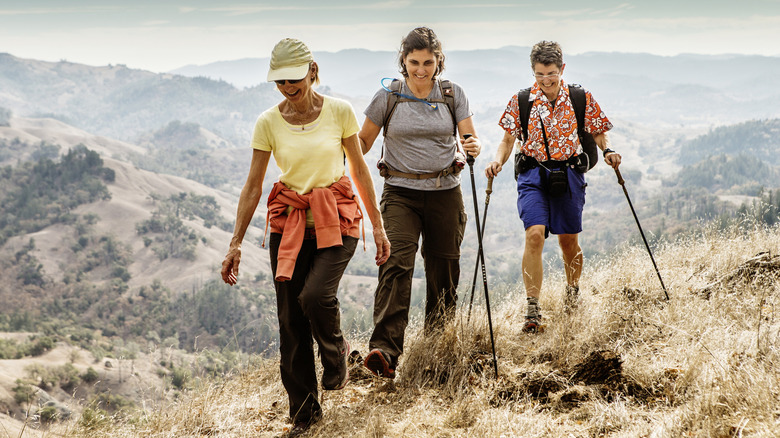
<point>41,346</point>
<point>48,414</point>
<point>9,349</point>
<point>23,392</point>
<point>90,375</point>
<point>45,377</point>
<point>68,377</point>
<point>180,377</point>
<point>93,419</point>
<point>121,273</point>
<point>112,402</point>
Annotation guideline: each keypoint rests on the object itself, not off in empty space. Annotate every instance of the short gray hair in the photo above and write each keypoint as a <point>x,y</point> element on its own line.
<point>547,52</point>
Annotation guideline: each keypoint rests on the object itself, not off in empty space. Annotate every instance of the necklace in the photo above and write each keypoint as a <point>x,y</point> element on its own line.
<point>295,118</point>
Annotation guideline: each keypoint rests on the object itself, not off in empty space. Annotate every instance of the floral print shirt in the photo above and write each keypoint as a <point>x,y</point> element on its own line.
<point>560,124</point>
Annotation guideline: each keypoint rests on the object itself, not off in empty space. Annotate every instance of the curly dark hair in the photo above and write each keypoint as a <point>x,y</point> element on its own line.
<point>547,52</point>
<point>421,38</point>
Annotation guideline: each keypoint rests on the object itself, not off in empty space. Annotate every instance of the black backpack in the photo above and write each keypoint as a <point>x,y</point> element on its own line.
<point>577,96</point>
<point>392,101</point>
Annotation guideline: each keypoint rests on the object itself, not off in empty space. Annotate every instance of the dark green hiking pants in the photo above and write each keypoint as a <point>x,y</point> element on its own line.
<point>307,305</point>
<point>440,218</point>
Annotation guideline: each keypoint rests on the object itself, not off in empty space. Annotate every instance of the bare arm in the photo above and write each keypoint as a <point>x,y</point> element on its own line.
<point>365,187</point>
<point>247,204</point>
<point>472,146</point>
<point>368,133</point>
<point>502,154</point>
<point>611,158</point>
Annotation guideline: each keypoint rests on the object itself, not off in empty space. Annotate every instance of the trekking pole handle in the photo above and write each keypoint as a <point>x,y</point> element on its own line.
<point>489,188</point>
<point>469,158</point>
<point>621,181</point>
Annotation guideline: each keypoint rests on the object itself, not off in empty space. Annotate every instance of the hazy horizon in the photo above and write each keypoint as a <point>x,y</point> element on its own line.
<point>164,35</point>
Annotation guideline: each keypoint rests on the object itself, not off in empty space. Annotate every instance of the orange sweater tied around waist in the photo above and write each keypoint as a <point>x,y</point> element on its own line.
<point>335,210</point>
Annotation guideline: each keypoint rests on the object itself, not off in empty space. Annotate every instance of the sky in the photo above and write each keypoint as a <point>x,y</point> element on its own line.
<point>162,35</point>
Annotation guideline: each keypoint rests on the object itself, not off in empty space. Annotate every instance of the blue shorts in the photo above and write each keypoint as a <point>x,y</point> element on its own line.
<point>562,215</point>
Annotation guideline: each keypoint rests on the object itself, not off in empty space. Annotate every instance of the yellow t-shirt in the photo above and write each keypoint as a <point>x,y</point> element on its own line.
<point>311,155</point>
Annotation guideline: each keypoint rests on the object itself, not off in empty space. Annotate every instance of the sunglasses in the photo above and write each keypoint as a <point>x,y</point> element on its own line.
<point>552,76</point>
<point>291,82</point>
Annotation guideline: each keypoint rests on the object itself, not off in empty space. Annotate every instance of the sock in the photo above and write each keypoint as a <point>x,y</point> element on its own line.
<point>533,308</point>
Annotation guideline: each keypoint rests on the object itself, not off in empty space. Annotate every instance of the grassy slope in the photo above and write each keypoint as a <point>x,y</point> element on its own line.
<point>703,364</point>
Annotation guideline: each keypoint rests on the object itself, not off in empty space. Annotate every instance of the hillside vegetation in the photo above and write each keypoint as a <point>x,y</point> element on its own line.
<point>757,138</point>
<point>93,292</point>
<point>625,363</point>
<point>190,151</point>
<point>39,194</point>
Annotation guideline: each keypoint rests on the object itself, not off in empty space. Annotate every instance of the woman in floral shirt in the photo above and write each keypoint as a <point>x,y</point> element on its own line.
<point>551,192</point>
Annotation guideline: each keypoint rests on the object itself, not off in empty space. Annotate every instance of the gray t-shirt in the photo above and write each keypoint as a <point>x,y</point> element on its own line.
<point>419,138</point>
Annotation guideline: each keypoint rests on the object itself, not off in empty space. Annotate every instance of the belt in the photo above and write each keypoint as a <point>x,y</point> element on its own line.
<point>455,169</point>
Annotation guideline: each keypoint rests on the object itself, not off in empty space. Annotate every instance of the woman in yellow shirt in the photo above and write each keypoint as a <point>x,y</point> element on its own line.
<point>314,219</point>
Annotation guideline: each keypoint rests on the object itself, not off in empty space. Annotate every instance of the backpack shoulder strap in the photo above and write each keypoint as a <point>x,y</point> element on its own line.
<point>577,96</point>
<point>524,107</point>
<point>392,102</point>
<point>579,102</point>
<point>449,99</point>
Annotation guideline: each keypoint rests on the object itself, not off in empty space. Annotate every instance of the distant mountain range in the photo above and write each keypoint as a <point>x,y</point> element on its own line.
<point>640,87</point>
<point>682,92</point>
<point>123,103</point>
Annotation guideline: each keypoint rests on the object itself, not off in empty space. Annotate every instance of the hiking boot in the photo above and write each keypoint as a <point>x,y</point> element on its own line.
<point>378,362</point>
<point>533,324</point>
<point>572,299</point>
<point>301,427</point>
<point>343,369</point>
<point>298,429</point>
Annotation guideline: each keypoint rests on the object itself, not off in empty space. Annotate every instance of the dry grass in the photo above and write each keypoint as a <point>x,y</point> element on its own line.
<point>625,364</point>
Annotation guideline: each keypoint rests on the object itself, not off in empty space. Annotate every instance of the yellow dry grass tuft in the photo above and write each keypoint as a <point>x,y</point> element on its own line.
<point>626,363</point>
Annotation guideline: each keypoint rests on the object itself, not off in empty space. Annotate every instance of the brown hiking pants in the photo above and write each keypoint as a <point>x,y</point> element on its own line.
<point>307,305</point>
<point>440,218</point>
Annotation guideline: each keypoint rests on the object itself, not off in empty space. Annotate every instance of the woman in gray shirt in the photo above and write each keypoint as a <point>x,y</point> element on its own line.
<point>421,115</point>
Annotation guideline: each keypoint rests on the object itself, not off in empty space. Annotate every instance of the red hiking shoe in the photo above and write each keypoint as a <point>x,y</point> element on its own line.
<point>533,324</point>
<point>378,362</point>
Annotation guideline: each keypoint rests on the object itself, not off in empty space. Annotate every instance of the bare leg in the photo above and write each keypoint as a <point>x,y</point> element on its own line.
<point>572,257</point>
<point>533,271</point>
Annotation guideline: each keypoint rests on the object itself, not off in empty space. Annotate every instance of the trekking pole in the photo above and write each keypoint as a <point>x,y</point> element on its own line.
<point>488,191</point>
<point>623,184</point>
<point>470,161</point>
